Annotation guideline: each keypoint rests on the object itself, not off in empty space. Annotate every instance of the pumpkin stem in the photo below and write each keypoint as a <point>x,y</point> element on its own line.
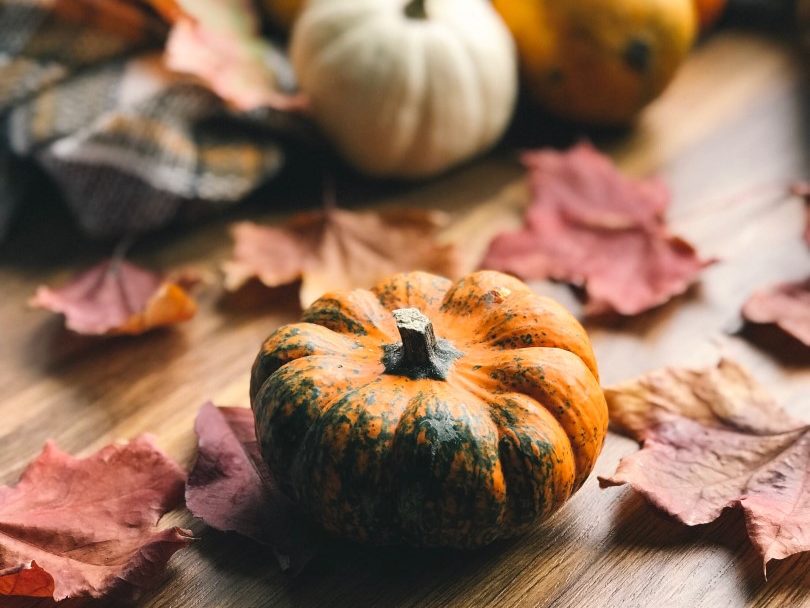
<point>415,9</point>
<point>418,339</point>
<point>420,354</point>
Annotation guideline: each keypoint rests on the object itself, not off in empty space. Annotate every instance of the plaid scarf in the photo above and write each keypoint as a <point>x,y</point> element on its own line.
<point>84,93</point>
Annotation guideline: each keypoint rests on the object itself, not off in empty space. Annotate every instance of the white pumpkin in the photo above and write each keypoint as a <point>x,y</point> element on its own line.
<point>406,88</point>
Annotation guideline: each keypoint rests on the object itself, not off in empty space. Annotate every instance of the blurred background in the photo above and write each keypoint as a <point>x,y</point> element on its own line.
<point>124,117</point>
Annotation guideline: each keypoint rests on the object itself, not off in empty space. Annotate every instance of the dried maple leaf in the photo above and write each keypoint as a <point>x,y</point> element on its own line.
<point>338,249</point>
<point>786,305</point>
<point>26,580</point>
<point>116,297</point>
<point>713,439</point>
<point>78,527</point>
<point>220,42</point>
<point>231,489</point>
<point>591,226</point>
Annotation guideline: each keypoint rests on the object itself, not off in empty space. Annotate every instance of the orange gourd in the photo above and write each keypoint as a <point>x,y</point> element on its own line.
<point>599,61</point>
<point>430,412</point>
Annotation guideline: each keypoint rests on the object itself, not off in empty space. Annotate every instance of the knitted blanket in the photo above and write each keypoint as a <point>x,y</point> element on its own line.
<point>86,95</point>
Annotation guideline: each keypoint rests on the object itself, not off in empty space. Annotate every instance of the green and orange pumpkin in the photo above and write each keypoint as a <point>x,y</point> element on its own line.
<point>430,412</point>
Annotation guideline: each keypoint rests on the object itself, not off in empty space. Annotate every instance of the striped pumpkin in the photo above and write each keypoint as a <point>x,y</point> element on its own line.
<point>430,412</point>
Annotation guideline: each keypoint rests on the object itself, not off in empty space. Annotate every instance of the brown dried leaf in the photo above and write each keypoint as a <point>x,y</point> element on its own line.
<point>712,439</point>
<point>591,226</point>
<point>116,297</point>
<point>231,489</point>
<point>88,524</point>
<point>338,249</point>
<point>786,305</point>
<point>720,395</point>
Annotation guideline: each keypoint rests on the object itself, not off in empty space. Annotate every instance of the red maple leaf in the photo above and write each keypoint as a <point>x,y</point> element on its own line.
<point>75,527</point>
<point>591,226</point>
<point>117,297</point>
<point>231,489</point>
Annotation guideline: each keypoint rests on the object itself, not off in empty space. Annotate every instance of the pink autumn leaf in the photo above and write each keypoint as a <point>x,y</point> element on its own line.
<point>86,527</point>
<point>591,226</point>
<point>220,42</point>
<point>786,305</point>
<point>713,439</point>
<point>231,489</point>
<point>117,297</point>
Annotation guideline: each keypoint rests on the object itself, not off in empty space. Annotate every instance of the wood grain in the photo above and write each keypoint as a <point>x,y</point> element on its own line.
<point>729,136</point>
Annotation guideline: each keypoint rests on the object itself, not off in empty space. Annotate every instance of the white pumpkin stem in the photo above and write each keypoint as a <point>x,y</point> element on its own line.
<point>415,9</point>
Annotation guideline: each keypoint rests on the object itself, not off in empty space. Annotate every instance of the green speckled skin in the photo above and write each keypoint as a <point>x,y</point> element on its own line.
<point>377,457</point>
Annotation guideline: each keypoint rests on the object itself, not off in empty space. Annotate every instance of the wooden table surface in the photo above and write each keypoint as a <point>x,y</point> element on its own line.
<point>728,136</point>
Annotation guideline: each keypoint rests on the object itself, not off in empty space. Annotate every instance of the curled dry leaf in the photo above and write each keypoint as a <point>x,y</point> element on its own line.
<point>231,489</point>
<point>713,439</point>
<point>75,527</point>
<point>591,226</point>
<point>786,305</point>
<point>117,297</point>
<point>338,249</point>
<point>220,42</point>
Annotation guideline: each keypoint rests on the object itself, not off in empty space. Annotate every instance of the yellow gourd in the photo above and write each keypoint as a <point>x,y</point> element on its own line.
<point>709,11</point>
<point>599,61</point>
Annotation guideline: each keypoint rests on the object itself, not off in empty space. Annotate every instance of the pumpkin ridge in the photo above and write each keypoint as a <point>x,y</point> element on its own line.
<point>344,515</point>
<point>547,468</point>
<point>308,339</point>
<point>287,384</point>
<point>542,313</point>
<point>356,313</point>
<point>478,78</point>
<point>531,381</point>
<point>486,400</point>
<point>333,44</point>
<point>433,435</point>
<point>335,314</point>
<point>493,402</point>
<point>425,110</point>
<point>330,405</point>
<point>421,290</point>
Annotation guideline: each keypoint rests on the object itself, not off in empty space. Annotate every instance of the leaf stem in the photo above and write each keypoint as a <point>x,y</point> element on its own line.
<point>420,354</point>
